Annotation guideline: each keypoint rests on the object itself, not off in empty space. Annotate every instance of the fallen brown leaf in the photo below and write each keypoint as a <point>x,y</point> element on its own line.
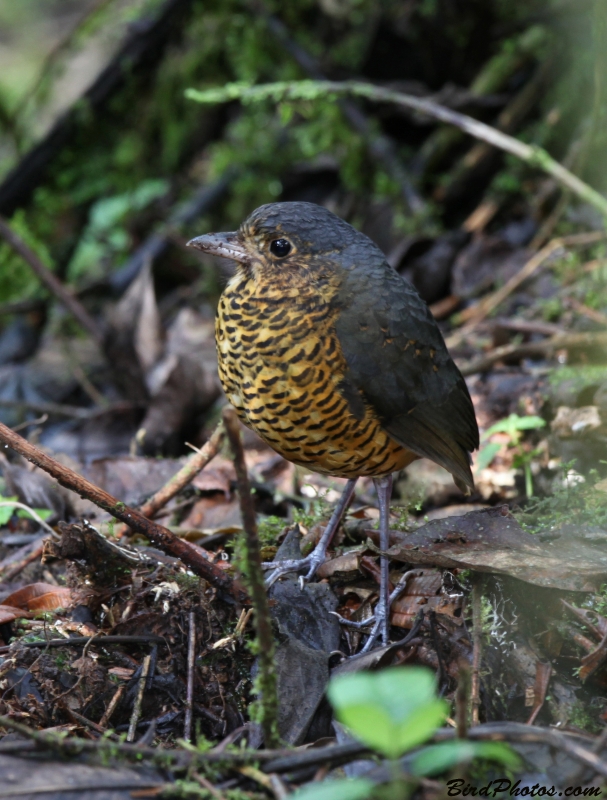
<point>40,597</point>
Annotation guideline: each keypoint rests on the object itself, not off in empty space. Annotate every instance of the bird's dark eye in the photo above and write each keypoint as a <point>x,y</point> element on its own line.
<point>280,247</point>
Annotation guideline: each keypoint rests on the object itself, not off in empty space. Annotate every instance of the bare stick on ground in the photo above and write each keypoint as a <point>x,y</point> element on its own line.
<point>83,641</point>
<point>259,599</point>
<point>286,760</point>
<point>462,698</point>
<point>189,702</point>
<point>139,699</point>
<point>180,480</point>
<point>158,535</point>
<point>475,314</point>
<point>477,641</point>
<point>117,697</point>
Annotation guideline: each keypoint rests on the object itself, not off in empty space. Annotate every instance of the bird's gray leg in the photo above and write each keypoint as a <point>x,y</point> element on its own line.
<point>317,556</point>
<point>383,487</point>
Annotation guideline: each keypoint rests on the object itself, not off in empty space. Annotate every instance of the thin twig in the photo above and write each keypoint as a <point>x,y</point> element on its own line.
<point>259,599</point>
<point>29,423</point>
<point>189,702</point>
<point>130,737</point>
<point>62,410</point>
<point>180,480</point>
<point>545,348</point>
<point>160,536</point>
<point>586,311</point>
<point>52,283</point>
<point>477,643</point>
<point>309,90</point>
<point>117,697</point>
<point>462,699</point>
<point>206,784</point>
<point>158,755</point>
<point>88,723</point>
<point>527,733</point>
<point>475,314</point>
<point>286,760</point>
<point>79,641</point>
<point>36,517</point>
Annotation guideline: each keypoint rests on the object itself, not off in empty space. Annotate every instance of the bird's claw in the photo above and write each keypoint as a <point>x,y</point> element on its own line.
<point>350,623</point>
<point>279,568</point>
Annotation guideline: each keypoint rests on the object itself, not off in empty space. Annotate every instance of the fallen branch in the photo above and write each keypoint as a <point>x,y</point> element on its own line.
<point>518,732</point>
<point>176,758</point>
<point>82,641</point>
<point>189,701</point>
<point>180,479</point>
<point>546,348</point>
<point>311,90</point>
<point>52,283</point>
<point>286,760</point>
<point>158,535</point>
<point>130,737</point>
<point>265,638</point>
<point>477,645</point>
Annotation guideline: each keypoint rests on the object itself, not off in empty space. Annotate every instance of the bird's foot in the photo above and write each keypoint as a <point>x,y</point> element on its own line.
<point>377,618</point>
<point>309,564</point>
<point>350,623</point>
<point>317,557</point>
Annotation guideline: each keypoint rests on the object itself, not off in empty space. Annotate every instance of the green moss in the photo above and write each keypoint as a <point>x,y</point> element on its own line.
<point>579,376</point>
<point>581,718</point>
<point>269,528</point>
<point>578,503</point>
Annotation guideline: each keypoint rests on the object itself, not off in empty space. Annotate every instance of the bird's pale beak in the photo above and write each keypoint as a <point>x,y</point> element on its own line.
<point>225,245</point>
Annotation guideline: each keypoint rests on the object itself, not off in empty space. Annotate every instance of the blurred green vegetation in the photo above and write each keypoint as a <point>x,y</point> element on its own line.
<point>124,170</point>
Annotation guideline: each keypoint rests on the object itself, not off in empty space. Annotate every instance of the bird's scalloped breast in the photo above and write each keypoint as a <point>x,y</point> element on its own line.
<point>281,367</point>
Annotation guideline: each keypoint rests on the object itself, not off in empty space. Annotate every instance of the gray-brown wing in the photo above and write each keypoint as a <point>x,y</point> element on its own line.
<point>397,358</point>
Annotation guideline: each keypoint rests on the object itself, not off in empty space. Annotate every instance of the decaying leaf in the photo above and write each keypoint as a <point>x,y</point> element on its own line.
<point>40,597</point>
<point>425,591</point>
<point>491,540</point>
<point>10,613</point>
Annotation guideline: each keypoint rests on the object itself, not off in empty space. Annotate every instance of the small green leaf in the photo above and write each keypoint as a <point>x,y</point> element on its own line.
<point>439,758</point>
<point>487,454</point>
<point>358,789</point>
<point>515,423</point>
<point>421,724</point>
<point>392,710</point>
<point>43,513</point>
<point>6,512</point>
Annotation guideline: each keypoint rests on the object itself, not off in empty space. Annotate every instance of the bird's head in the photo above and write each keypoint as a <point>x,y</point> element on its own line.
<point>295,243</point>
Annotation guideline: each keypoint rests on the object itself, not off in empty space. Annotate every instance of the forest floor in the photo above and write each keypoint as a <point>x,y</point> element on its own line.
<point>129,663</point>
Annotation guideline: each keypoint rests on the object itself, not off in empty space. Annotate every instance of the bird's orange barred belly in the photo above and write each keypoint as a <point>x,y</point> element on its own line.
<point>281,368</point>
